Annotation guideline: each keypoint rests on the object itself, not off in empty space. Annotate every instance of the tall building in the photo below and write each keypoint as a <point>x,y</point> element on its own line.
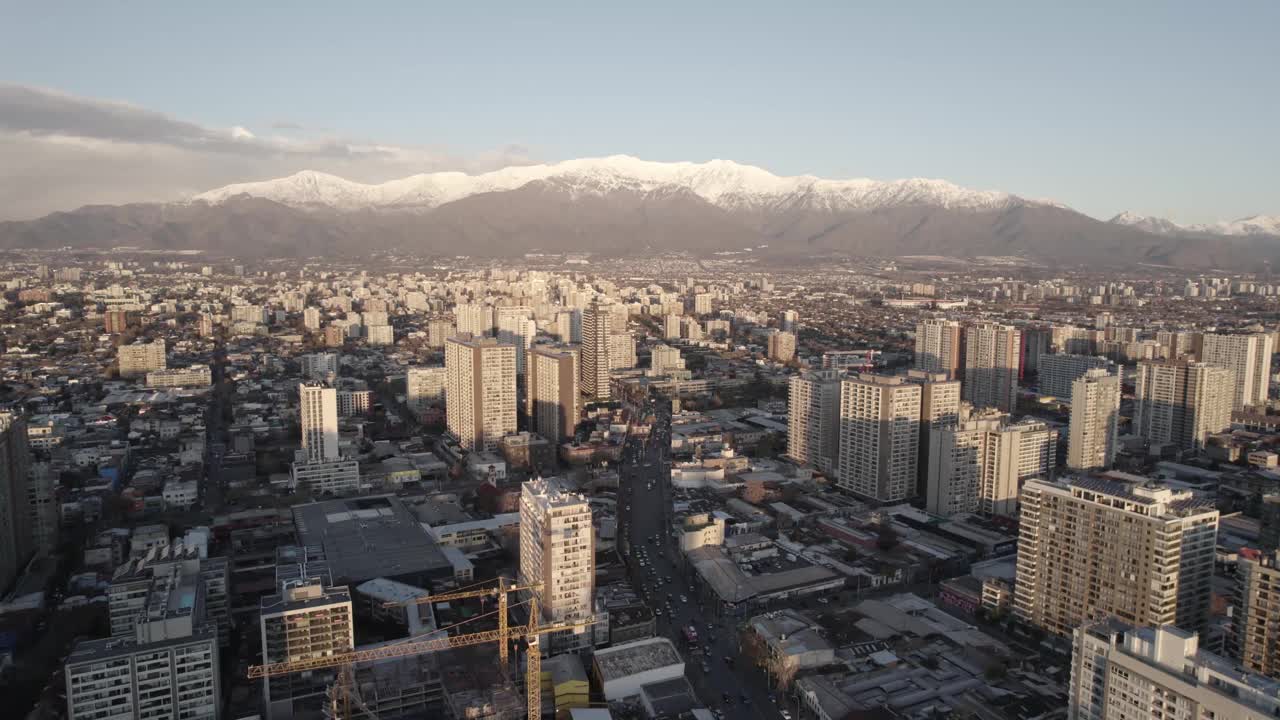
<point>439,330</point>
<point>813,418</point>
<point>321,367</point>
<point>663,359</point>
<point>311,318</point>
<point>1181,403</point>
<point>16,544</point>
<point>782,346</point>
<point>1058,372</point>
<point>1257,613</point>
<point>480,399</point>
<point>1095,420</point>
<point>517,329</point>
<point>979,465</point>
<point>938,347</point>
<point>153,578</point>
<point>622,351</point>
<point>553,392</point>
<point>318,406</point>
<point>307,618</point>
<point>992,355</point>
<point>1089,549</point>
<point>115,321</point>
<point>1249,357</point>
<point>474,319</point>
<point>939,409</point>
<point>43,507</point>
<point>671,327</point>
<point>702,304</point>
<point>595,352</point>
<point>138,359</point>
<point>879,437</point>
<point>557,552</point>
<point>1123,672</point>
<point>425,387</point>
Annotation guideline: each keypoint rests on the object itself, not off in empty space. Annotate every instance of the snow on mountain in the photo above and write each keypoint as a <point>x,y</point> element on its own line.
<point>720,182</point>
<point>1253,225</point>
<point>1159,226</point>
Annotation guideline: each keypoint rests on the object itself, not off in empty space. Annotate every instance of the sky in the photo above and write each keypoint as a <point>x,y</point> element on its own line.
<point>1165,108</point>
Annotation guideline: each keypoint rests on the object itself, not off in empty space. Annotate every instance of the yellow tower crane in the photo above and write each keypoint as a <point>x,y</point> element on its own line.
<point>503,589</point>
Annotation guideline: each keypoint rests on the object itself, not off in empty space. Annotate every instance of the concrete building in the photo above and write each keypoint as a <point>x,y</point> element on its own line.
<point>594,363</point>
<point>473,319</point>
<point>138,359</point>
<point>320,367</point>
<point>307,618</point>
<point>43,507</point>
<point>337,477</point>
<point>1257,613</point>
<point>1095,420</point>
<point>1180,403</point>
<point>782,346</point>
<point>379,335</point>
<point>879,437</point>
<point>1123,672</point>
<point>791,642</point>
<point>622,351</point>
<point>439,330</point>
<point>354,402</point>
<point>938,347</point>
<point>318,407</point>
<point>425,388</point>
<point>149,579</point>
<point>553,392</point>
<point>813,418</point>
<point>192,376</point>
<point>557,552</point>
<point>16,545</point>
<point>517,328</point>
<point>992,360</point>
<point>1249,357</point>
<point>1095,548</point>
<point>664,359</point>
<point>1058,372</point>
<point>480,402</point>
<point>980,465</point>
<point>622,670</point>
<point>939,410</point>
<point>311,318</point>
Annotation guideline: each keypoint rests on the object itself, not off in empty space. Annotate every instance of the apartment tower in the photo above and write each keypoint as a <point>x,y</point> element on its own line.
<point>813,418</point>
<point>1181,403</point>
<point>992,353</point>
<point>938,347</point>
<point>1095,420</point>
<point>557,553</point>
<point>480,397</point>
<point>879,437</point>
<point>553,395</point>
<point>594,364</point>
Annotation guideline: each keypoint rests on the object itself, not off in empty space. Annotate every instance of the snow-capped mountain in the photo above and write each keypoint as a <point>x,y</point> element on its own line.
<point>722,183</point>
<point>1244,227</point>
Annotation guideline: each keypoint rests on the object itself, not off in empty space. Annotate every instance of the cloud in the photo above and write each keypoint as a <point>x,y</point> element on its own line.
<point>62,151</point>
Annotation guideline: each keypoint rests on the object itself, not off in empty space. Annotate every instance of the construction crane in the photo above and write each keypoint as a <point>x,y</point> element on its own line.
<point>501,591</point>
<point>341,696</point>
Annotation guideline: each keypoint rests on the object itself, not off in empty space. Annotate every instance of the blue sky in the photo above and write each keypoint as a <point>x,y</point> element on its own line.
<point>1166,108</point>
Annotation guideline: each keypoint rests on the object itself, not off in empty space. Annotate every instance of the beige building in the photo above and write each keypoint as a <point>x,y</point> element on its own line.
<point>813,418</point>
<point>1095,420</point>
<point>879,437</point>
<point>557,552</point>
<point>553,392</point>
<point>938,347</point>
<point>939,409</point>
<point>980,464</point>
<point>1257,614</point>
<point>622,351</point>
<point>318,406</point>
<point>1094,548</point>
<point>480,397</point>
<point>1249,357</point>
<point>782,346</point>
<point>138,359</point>
<point>594,363</point>
<point>664,359</point>
<point>425,387</point>
<point>1123,672</point>
<point>1058,372</point>
<point>307,619</point>
<point>1181,403</point>
<point>992,360</point>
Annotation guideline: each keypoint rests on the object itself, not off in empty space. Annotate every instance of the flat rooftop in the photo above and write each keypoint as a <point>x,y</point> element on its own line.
<point>369,537</point>
<point>631,658</point>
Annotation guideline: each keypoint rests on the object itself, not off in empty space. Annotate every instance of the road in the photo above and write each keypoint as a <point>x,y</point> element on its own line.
<point>721,678</point>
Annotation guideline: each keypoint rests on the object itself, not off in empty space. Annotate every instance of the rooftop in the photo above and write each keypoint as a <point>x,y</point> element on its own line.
<point>631,658</point>
<point>369,537</point>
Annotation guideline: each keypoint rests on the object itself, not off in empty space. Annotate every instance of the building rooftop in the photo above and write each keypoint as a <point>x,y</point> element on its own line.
<point>632,658</point>
<point>369,537</point>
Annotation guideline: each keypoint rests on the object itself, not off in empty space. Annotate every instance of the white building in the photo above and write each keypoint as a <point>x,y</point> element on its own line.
<point>339,477</point>
<point>992,359</point>
<point>1249,357</point>
<point>425,387</point>
<point>622,351</point>
<point>879,437</point>
<point>557,552</point>
<point>594,364</point>
<point>193,376</point>
<point>379,335</point>
<point>1095,420</point>
<point>474,319</point>
<point>813,418</point>
<point>1181,403</point>
<point>979,465</point>
<point>180,494</point>
<point>320,367</point>
<point>938,346</point>
<point>138,359</point>
<point>319,416</point>
<point>481,393</point>
<point>1058,372</point>
<point>306,619</point>
<point>354,402</point>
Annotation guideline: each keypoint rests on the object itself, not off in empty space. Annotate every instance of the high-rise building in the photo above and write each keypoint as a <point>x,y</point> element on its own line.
<point>16,544</point>
<point>474,319</point>
<point>622,351</point>
<point>1094,548</point>
<point>1121,671</point>
<point>480,398</point>
<point>308,618</point>
<point>1181,403</point>
<point>311,318</point>
<point>321,367</point>
<point>788,320</point>
<point>553,392</point>
<point>671,327</point>
<point>1257,613</point>
<point>424,387</point>
<point>594,363</point>
<point>115,321</point>
<point>517,329</point>
<point>1249,357</point>
<point>782,346</point>
<point>663,359</point>
<point>980,464</point>
<point>318,407</point>
<point>938,347</point>
<point>439,330</point>
<point>1095,420</point>
<point>1057,372</point>
<point>939,409</point>
<point>43,507</point>
<point>569,325</point>
<point>879,437</point>
<point>138,359</point>
<point>702,304</point>
<point>379,335</point>
<point>150,579</point>
<point>557,552</point>
<point>205,327</point>
<point>992,356</point>
<point>813,418</point>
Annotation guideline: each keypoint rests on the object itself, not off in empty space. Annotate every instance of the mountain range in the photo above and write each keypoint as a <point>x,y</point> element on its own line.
<point>623,205</point>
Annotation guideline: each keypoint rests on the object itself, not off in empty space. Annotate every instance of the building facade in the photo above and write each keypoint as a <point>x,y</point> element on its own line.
<point>557,553</point>
<point>553,392</point>
<point>1095,421</point>
<point>594,363</point>
<point>1180,403</point>
<point>1249,357</point>
<point>1257,613</point>
<point>879,437</point>
<point>992,360</point>
<point>138,359</point>
<point>318,408</point>
<point>938,347</point>
<point>1058,372</point>
<point>980,464</point>
<point>16,544</point>
<point>480,405</point>
<point>813,418</point>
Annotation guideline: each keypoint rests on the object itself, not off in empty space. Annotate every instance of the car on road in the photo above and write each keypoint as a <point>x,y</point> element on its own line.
<point>786,714</point>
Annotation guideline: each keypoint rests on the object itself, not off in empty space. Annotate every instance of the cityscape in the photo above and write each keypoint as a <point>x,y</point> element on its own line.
<point>640,361</point>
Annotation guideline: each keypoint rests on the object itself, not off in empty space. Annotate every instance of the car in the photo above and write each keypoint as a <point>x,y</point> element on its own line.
<point>786,714</point>
<point>684,599</point>
<point>824,600</point>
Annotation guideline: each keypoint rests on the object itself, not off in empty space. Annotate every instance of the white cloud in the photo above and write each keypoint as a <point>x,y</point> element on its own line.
<point>61,151</point>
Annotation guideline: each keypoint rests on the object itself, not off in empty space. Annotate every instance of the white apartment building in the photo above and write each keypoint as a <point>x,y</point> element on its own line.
<point>138,359</point>
<point>980,465</point>
<point>940,408</point>
<point>879,437</point>
<point>813,418</point>
<point>481,392</point>
<point>379,335</point>
<point>938,347</point>
<point>557,552</point>
<point>318,407</point>
<point>321,367</point>
<point>121,678</point>
<point>339,477</point>
<point>594,364</point>
<point>473,319</point>
<point>1094,548</point>
<point>307,619</point>
<point>1249,357</point>
<point>1181,403</point>
<point>517,329</point>
<point>664,359</point>
<point>424,387</point>
<point>992,360</point>
<point>192,376</point>
<point>622,351</point>
<point>1123,672</point>
<point>781,346</point>
<point>1058,372</point>
<point>1095,421</point>
<point>311,318</point>
<point>553,395</point>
